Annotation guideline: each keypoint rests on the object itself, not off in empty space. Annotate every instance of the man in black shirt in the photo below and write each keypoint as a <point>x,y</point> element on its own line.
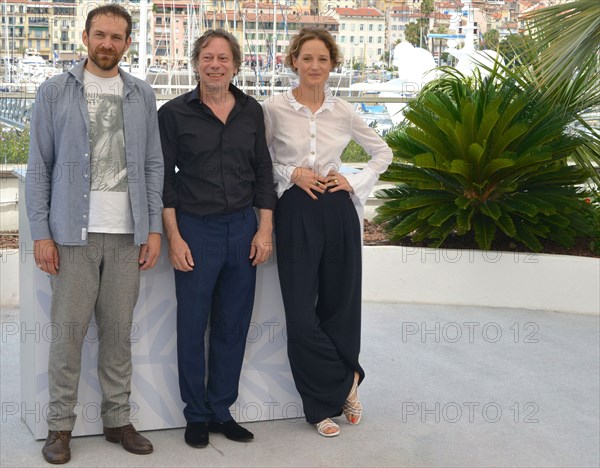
<point>214,136</point>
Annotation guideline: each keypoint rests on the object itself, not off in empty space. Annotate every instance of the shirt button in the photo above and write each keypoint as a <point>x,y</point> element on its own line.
<point>86,155</point>
<point>85,195</point>
<point>84,216</point>
<point>312,152</point>
<point>312,118</point>
<point>313,135</point>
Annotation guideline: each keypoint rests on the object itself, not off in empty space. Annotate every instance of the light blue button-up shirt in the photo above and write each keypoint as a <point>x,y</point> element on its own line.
<point>58,180</point>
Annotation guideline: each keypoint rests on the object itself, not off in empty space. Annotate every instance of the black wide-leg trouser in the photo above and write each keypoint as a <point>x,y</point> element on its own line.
<point>319,262</point>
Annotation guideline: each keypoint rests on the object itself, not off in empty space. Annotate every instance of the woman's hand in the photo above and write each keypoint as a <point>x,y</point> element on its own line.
<point>309,181</point>
<point>334,182</point>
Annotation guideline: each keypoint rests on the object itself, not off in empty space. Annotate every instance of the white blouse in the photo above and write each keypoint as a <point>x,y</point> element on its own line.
<point>298,138</point>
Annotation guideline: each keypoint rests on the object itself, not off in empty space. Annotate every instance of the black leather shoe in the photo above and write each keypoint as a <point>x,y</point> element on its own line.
<point>196,435</point>
<point>232,430</point>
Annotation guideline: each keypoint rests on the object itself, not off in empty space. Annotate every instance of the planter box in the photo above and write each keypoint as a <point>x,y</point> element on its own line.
<point>482,278</point>
<point>266,389</point>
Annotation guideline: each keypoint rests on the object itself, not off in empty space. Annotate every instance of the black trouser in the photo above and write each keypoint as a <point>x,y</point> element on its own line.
<point>319,261</point>
<point>218,292</point>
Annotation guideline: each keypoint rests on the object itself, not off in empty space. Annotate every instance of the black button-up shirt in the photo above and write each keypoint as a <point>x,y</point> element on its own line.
<point>222,167</point>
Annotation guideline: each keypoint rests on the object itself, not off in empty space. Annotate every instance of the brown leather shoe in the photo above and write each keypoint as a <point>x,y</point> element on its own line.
<point>56,449</point>
<point>130,439</point>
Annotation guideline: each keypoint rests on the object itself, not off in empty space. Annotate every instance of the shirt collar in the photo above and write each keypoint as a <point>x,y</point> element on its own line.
<point>78,69</point>
<point>238,94</point>
<point>327,103</point>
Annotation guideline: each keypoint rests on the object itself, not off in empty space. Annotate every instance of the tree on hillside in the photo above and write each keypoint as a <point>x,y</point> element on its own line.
<point>491,39</point>
<point>427,8</point>
<point>516,47</point>
<point>412,33</point>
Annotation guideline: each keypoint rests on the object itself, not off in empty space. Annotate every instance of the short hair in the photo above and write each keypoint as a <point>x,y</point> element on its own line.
<point>109,9</point>
<point>307,34</point>
<point>208,36</point>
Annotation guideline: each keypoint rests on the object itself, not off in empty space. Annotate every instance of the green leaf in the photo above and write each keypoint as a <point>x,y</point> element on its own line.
<point>491,209</point>
<point>543,206</point>
<point>426,212</point>
<point>426,160</point>
<point>475,152</point>
<point>432,144</point>
<point>505,139</point>
<point>521,206</point>
<point>525,235</point>
<point>442,214</point>
<point>495,165</point>
<point>558,220</point>
<point>506,225</point>
<point>463,221</point>
<point>458,166</point>
<point>485,231</point>
<point>489,119</point>
<point>462,202</point>
<point>406,226</point>
<point>440,233</point>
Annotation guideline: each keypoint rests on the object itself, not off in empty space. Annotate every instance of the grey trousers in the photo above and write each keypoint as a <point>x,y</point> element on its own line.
<point>101,278</point>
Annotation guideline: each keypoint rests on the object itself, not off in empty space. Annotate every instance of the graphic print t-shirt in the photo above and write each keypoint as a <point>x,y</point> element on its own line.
<point>110,209</point>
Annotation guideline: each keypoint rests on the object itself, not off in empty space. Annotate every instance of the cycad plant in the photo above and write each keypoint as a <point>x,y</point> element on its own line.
<point>483,155</point>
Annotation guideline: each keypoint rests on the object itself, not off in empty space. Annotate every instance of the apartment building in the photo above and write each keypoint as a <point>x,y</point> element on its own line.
<point>361,35</point>
<point>177,25</point>
<point>364,29</point>
<point>26,27</point>
<point>52,29</point>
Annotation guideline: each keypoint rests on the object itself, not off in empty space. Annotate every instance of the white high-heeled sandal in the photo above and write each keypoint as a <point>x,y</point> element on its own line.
<point>325,425</point>
<point>353,407</point>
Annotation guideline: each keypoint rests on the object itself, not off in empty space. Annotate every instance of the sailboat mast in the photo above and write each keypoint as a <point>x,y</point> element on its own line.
<point>235,17</point>
<point>244,48</point>
<point>273,46</point>
<point>143,37</point>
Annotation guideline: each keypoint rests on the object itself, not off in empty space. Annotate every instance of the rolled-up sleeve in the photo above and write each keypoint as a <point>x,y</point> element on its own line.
<point>264,189</point>
<point>168,141</point>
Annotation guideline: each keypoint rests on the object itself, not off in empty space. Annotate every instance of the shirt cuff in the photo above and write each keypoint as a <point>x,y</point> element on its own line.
<point>156,224</point>
<point>362,184</point>
<point>40,231</point>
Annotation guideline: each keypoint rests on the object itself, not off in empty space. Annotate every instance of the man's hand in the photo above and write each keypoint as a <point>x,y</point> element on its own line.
<point>261,247</point>
<point>150,251</point>
<point>46,255</point>
<point>180,254</point>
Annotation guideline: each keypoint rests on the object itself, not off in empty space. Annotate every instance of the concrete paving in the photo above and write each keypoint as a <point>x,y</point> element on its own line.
<point>445,386</point>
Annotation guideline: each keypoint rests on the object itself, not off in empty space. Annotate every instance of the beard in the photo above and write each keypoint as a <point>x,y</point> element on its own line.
<point>105,60</point>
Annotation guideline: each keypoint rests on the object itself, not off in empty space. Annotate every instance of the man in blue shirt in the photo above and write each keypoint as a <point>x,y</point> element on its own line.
<point>94,201</point>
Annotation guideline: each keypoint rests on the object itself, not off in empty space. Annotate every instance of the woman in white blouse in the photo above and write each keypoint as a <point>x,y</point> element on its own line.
<point>318,231</point>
